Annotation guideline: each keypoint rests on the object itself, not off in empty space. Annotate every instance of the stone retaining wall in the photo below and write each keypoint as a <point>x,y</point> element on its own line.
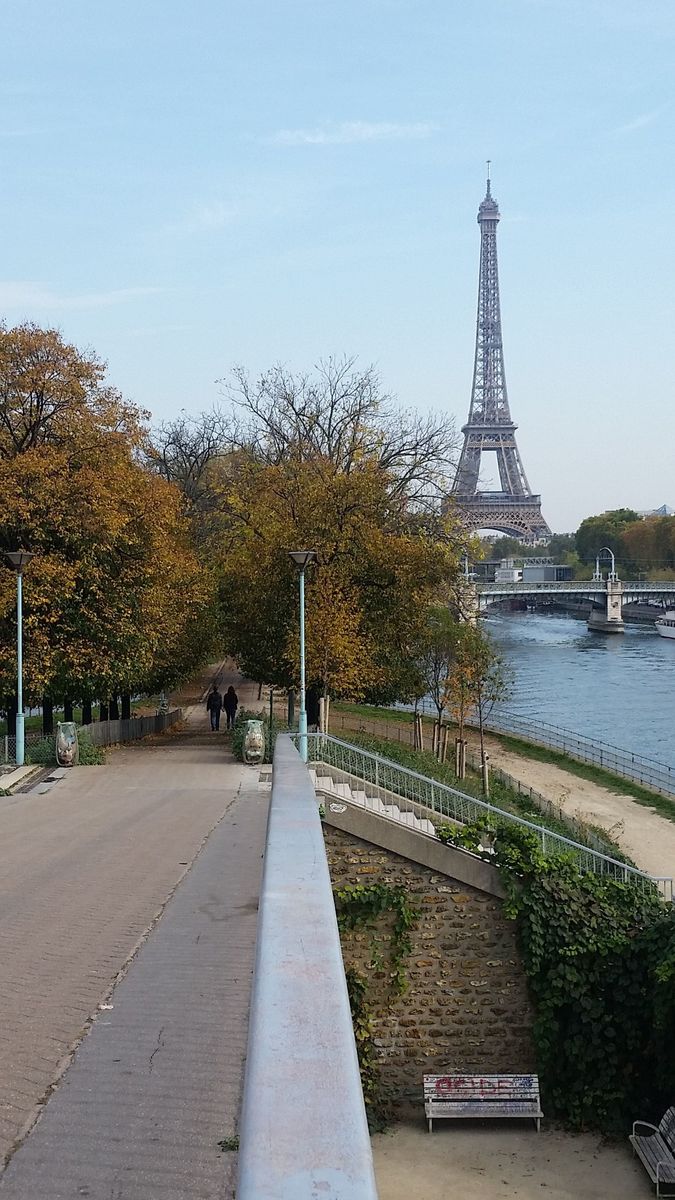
<point>466,1007</point>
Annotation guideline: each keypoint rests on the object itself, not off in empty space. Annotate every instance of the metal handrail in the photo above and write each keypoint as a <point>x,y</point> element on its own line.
<point>653,773</point>
<point>394,780</point>
<point>638,767</point>
<point>303,1131</point>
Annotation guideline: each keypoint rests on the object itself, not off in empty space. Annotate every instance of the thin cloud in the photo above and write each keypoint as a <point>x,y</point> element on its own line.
<point>202,218</point>
<point>640,121</point>
<point>348,132</point>
<point>29,296</point>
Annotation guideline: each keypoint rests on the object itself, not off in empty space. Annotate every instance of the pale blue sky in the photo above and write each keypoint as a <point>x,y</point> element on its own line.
<point>185,187</point>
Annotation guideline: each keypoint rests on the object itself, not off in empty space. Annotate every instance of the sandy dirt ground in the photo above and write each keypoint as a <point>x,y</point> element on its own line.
<point>496,1162</point>
<point>641,832</point>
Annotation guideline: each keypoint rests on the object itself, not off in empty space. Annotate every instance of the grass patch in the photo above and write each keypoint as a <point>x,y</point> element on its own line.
<point>229,1143</point>
<point>43,753</point>
<point>373,712</point>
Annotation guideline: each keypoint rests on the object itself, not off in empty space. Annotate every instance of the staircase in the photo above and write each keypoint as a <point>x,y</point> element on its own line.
<point>336,785</point>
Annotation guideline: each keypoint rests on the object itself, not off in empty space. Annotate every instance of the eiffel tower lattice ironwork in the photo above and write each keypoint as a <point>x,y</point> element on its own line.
<point>514,509</point>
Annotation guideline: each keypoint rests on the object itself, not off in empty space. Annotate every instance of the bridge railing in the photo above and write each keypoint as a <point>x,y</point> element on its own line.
<point>581,586</point>
<point>388,780</point>
<point>303,1131</point>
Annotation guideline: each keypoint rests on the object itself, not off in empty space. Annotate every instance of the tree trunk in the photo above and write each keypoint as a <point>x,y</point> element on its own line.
<point>86,710</point>
<point>68,709</point>
<point>126,706</point>
<point>291,708</point>
<point>47,716</point>
<point>11,716</point>
<point>103,711</point>
<point>114,709</point>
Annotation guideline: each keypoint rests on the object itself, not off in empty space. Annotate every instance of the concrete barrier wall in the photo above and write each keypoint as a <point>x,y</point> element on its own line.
<point>303,1130</point>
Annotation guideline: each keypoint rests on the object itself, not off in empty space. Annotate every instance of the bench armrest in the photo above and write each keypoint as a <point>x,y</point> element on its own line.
<point>645,1125</point>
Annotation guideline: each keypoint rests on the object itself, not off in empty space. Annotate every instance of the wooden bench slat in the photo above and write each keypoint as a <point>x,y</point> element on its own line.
<point>655,1151</point>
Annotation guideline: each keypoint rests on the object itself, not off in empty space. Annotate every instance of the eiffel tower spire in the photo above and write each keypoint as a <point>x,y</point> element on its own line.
<point>514,509</point>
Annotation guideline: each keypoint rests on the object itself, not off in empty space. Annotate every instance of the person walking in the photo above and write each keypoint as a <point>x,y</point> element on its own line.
<point>230,704</point>
<point>214,704</point>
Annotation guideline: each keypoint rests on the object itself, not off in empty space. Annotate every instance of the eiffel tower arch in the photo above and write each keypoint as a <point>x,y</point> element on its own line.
<point>514,509</point>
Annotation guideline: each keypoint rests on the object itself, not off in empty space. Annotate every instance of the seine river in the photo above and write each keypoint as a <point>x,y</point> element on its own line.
<point>618,688</point>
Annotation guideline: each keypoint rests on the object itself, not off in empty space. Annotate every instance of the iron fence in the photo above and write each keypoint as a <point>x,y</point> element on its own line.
<point>639,768</point>
<point>657,776</point>
<point>101,733</point>
<point>390,782</point>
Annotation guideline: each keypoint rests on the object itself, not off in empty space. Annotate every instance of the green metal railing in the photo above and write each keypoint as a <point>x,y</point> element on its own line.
<point>390,782</point>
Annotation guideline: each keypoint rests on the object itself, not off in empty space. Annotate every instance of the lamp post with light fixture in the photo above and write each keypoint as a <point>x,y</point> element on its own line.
<point>302,559</point>
<point>19,559</point>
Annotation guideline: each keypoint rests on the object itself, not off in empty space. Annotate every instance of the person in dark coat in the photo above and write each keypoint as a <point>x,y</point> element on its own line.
<point>214,704</point>
<point>230,704</point>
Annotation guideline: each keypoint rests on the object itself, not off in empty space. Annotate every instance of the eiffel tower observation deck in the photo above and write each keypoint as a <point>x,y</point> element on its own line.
<point>514,509</point>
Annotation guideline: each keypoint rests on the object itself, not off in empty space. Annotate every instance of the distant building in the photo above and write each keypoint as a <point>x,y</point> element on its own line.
<point>508,572</point>
<point>664,511</point>
<point>546,573</point>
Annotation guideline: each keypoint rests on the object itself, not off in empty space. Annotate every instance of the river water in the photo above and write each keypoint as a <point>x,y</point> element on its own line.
<point>617,688</point>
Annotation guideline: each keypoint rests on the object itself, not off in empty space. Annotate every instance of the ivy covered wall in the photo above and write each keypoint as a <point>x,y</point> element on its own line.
<point>464,1004</point>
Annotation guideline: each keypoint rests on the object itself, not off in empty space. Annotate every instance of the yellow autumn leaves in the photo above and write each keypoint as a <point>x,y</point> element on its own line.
<point>115,599</point>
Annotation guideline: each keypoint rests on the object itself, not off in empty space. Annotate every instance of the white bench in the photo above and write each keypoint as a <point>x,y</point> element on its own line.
<point>482,1096</point>
<point>656,1150</point>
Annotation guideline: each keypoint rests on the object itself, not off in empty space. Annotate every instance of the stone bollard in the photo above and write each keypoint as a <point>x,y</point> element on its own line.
<point>67,748</point>
<point>254,743</point>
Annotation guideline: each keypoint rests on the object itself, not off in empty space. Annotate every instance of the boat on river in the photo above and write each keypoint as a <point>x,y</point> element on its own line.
<point>665,625</point>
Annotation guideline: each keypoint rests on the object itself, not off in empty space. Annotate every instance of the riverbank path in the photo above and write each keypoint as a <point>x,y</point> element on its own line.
<point>128,911</point>
<point>646,836</point>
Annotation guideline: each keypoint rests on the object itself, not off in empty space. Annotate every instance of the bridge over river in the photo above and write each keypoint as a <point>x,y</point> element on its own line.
<point>608,596</point>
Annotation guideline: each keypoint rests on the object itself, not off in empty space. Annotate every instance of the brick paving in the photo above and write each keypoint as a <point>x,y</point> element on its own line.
<point>85,871</point>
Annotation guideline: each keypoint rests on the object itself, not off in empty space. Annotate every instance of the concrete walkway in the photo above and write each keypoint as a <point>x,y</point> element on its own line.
<point>86,871</point>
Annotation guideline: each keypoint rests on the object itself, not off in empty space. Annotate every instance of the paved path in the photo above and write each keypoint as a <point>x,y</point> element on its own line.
<point>85,872</point>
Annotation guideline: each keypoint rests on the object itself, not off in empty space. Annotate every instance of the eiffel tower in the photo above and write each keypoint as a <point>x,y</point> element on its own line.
<point>513,510</point>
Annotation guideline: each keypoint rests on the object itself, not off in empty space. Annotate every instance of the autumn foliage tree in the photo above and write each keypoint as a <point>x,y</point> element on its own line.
<point>325,462</point>
<point>115,599</point>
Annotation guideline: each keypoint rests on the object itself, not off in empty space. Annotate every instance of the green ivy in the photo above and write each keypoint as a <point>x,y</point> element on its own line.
<point>364,1036</point>
<point>600,961</point>
<point>359,905</point>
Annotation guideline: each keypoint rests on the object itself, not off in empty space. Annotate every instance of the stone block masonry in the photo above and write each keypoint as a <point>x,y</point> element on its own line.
<point>466,1007</point>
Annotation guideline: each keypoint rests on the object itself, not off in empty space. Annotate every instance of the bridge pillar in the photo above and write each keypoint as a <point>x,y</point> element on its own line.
<point>607,617</point>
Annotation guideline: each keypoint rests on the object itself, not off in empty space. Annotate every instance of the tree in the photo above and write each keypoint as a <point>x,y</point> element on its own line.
<point>323,462</point>
<point>340,416</point>
<point>478,680</point>
<point>594,533</point>
<point>438,657</point>
<point>115,599</point>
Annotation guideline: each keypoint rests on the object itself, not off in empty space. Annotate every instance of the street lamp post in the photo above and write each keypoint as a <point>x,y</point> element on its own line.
<point>19,559</point>
<point>598,573</point>
<point>302,559</point>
